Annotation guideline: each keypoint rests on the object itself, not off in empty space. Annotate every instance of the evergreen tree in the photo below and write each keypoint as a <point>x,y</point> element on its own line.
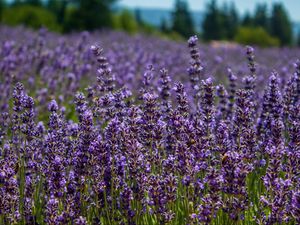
<point>58,7</point>
<point>182,20</point>
<point>230,21</point>
<point>164,26</point>
<point>27,2</point>
<point>17,2</point>
<point>34,2</point>
<point>212,25</point>
<point>298,39</point>
<point>90,15</point>
<point>2,6</point>
<point>280,24</point>
<point>138,17</point>
<point>225,21</point>
<point>261,17</point>
<point>247,20</point>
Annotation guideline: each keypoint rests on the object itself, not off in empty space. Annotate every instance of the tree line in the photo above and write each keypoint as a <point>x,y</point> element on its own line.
<point>68,15</point>
<point>224,23</point>
<point>264,26</point>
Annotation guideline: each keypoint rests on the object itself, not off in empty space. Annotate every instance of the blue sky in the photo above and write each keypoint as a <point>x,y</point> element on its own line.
<point>292,6</point>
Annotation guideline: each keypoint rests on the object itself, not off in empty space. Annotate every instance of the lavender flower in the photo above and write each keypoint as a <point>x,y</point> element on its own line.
<point>88,138</point>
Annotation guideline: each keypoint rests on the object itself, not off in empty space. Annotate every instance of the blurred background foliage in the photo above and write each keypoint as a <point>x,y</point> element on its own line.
<point>262,27</point>
<point>31,16</point>
<point>255,36</point>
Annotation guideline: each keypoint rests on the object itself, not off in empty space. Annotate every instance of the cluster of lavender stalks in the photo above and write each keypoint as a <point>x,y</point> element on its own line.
<point>225,155</point>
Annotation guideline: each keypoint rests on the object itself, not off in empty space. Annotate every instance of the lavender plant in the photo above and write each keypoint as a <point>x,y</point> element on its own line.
<point>89,136</point>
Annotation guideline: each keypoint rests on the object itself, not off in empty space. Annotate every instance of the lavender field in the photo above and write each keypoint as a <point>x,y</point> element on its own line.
<point>107,128</point>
